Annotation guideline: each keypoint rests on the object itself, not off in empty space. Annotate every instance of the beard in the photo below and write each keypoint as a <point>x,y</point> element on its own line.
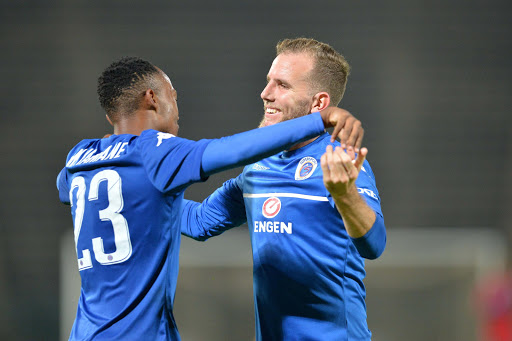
<point>302,108</point>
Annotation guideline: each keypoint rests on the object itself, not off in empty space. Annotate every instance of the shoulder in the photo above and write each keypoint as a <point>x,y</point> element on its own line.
<point>80,148</point>
<point>323,141</point>
<point>366,168</point>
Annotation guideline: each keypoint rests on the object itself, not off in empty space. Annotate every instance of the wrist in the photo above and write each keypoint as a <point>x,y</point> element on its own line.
<point>325,118</point>
<point>348,197</point>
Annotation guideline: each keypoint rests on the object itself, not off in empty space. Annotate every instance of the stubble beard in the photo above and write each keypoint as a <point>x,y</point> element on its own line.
<point>301,109</point>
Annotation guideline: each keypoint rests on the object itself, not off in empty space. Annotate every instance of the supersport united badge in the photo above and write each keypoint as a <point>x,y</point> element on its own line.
<point>306,167</point>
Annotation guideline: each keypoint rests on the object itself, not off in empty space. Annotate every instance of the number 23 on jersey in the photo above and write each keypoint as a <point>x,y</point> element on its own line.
<point>122,241</point>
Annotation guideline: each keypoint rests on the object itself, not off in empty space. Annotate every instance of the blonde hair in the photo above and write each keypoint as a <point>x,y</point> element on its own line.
<point>330,71</point>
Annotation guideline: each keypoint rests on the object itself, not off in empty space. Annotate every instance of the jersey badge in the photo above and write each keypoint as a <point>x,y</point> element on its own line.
<point>271,207</point>
<point>306,167</point>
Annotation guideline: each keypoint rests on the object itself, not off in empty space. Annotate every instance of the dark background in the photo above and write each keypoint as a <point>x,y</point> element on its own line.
<point>430,81</point>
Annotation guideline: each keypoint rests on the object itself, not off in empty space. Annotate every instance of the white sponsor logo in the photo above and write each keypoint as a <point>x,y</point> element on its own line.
<point>271,207</point>
<point>306,167</point>
<point>368,192</point>
<point>257,166</point>
<point>272,227</point>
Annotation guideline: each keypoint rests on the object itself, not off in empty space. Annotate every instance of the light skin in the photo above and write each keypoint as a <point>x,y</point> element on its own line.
<point>289,94</point>
<point>340,174</point>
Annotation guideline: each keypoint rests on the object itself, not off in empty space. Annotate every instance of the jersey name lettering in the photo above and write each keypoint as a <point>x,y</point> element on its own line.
<point>89,155</point>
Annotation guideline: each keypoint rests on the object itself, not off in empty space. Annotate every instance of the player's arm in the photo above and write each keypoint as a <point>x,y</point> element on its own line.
<point>62,186</point>
<point>363,224</point>
<point>174,163</point>
<point>251,146</point>
<point>221,211</point>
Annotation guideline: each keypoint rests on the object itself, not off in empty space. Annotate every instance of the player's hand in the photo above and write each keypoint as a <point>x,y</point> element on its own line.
<point>346,127</point>
<point>340,172</point>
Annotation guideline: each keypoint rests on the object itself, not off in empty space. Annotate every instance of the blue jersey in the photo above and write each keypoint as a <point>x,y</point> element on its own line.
<point>126,197</point>
<point>125,192</point>
<point>308,273</point>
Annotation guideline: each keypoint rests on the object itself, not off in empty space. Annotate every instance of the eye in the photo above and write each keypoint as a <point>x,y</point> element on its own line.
<point>282,85</point>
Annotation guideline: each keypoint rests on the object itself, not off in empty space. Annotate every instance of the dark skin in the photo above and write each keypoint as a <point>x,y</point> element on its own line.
<point>158,110</point>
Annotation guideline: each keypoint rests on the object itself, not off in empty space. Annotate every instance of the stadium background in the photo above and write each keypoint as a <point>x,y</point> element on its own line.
<point>431,82</point>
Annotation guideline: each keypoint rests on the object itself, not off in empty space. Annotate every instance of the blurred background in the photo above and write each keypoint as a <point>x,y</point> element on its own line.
<point>430,81</point>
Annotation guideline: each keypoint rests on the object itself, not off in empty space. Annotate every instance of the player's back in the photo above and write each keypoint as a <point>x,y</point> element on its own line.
<point>127,240</point>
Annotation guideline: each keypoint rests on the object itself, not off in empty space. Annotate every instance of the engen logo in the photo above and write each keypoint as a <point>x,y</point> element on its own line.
<point>271,207</point>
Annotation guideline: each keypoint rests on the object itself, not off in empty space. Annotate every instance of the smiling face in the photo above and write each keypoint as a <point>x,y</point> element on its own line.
<point>288,93</point>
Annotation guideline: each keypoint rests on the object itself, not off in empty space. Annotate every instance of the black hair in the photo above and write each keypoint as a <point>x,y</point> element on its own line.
<point>117,85</point>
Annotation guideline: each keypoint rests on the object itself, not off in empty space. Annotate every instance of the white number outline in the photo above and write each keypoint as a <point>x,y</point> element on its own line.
<point>111,213</point>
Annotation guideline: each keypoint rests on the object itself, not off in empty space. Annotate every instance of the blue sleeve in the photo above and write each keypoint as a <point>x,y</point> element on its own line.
<point>253,145</point>
<point>62,186</point>
<point>172,163</point>
<point>221,211</point>
<point>372,244</point>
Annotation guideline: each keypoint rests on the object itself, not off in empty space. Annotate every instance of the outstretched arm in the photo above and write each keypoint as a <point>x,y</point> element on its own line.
<point>363,225</point>
<point>221,211</point>
<point>251,146</point>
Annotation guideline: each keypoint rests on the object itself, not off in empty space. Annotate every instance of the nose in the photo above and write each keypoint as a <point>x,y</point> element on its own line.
<point>267,93</point>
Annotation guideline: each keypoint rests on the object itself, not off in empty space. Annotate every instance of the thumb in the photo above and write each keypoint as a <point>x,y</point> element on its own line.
<point>360,158</point>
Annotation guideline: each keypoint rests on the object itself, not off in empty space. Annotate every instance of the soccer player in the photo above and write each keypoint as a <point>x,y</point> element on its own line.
<point>126,194</point>
<point>311,227</point>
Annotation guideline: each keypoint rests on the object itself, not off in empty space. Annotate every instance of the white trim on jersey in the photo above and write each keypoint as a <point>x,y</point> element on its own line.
<point>285,195</point>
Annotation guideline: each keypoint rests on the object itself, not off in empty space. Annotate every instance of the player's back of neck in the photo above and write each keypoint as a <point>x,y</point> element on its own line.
<point>133,124</point>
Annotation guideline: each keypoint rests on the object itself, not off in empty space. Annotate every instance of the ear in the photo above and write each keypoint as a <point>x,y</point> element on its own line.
<point>320,101</point>
<point>109,120</point>
<point>150,100</point>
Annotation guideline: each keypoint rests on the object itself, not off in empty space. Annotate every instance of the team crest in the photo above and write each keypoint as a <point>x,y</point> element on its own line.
<point>306,167</point>
<point>271,207</point>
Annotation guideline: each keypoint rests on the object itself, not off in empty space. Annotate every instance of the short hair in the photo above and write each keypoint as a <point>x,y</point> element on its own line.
<point>330,70</point>
<point>121,85</point>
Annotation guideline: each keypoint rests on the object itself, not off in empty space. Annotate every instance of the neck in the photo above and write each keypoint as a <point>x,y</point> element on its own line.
<point>134,124</point>
<point>302,144</point>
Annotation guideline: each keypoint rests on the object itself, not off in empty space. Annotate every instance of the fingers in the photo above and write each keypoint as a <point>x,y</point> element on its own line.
<point>346,132</point>
<point>347,128</point>
<point>360,159</point>
<point>356,136</point>
<point>325,167</point>
<point>351,152</point>
<point>347,169</point>
<point>339,118</point>
<point>337,166</point>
